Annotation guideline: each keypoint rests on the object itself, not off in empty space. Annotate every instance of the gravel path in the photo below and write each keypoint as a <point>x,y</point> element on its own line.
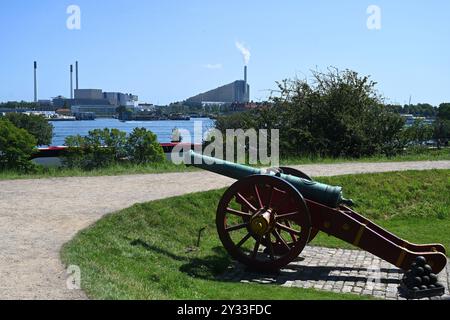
<point>38,216</point>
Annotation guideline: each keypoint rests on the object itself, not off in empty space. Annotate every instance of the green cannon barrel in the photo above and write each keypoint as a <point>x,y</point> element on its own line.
<point>327,195</point>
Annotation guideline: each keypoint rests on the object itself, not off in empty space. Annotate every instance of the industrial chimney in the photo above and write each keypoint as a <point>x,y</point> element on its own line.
<point>35,82</point>
<point>71,81</point>
<point>245,80</point>
<point>76,75</point>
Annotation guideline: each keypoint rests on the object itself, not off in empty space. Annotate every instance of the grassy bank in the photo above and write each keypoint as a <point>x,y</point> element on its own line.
<point>115,170</point>
<point>145,252</point>
<point>412,155</point>
<point>423,155</point>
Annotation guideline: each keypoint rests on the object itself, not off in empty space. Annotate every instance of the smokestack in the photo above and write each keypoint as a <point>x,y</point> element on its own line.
<point>71,81</point>
<point>35,82</point>
<point>245,79</point>
<point>76,75</point>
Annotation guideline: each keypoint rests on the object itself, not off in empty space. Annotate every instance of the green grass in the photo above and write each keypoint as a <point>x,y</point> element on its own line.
<point>115,170</point>
<point>413,204</point>
<point>143,252</point>
<point>411,155</point>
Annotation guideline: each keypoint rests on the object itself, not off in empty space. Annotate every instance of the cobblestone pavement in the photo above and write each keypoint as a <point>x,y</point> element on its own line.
<point>336,270</point>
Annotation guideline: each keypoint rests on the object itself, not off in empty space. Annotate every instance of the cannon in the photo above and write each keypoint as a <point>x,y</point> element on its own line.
<point>266,218</point>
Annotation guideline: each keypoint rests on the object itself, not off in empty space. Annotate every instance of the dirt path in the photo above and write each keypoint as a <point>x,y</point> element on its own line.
<point>38,216</point>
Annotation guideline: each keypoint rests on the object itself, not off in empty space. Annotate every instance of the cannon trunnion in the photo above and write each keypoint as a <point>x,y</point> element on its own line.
<point>266,219</point>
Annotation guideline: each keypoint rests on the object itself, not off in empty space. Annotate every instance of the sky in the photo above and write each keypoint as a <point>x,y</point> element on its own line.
<point>166,51</point>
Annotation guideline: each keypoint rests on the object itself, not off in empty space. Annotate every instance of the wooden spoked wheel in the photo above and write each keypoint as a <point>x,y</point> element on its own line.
<point>301,174</point>
<point>274,228</point>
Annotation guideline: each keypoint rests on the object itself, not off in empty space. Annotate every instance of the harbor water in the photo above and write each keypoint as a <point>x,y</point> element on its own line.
<point>163,129</point>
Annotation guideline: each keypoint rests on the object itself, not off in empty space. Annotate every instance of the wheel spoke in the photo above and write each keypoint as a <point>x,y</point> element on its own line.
<point>239,213</point>
<point>257,245</point>
<point>244,240</point>
<point>280,239</point>
<point>246,203</point>
<point>271,197</point>
<point>288,229</point>
<point>280,191</point>
<point>292,235</point>
<point>261,205</point>
<point>237,227</point>
<point>287,215</point>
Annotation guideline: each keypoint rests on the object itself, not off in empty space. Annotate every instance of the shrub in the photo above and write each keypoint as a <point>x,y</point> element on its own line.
<point>36,125</point>
<point>77,155</point>
<point>143,147</point>
<point>100,148</point>
<point>16,147</point>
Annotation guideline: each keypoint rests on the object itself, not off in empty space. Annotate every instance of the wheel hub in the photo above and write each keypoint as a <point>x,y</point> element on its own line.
<point>262,223</point>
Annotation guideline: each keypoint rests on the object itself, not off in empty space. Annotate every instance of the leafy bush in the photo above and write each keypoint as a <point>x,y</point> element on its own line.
<point>78,153</point>
<point>143,147</point>
<point>38,126</point>
<point>16,147</point>
<point>102,148</point>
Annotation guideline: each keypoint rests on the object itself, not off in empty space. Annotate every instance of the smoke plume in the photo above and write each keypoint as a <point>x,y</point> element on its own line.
<point>244,51</point>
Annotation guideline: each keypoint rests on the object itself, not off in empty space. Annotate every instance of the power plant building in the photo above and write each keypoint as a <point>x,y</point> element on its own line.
<point>230,93</point>
<point>97,97</point>
<point>103,104</point>
<point>235,92</point>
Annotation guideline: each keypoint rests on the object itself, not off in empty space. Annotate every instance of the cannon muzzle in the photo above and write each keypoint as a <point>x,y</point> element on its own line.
<point>330,196</point>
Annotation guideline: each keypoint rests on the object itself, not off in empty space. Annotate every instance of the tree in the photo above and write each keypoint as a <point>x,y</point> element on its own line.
<point>125,114</point>
<point>143,147</point>
<point>36,125</point>
<point>338,113</point>
<point>444,111</point>
<point>418,133</point>
<point>19,105</point>
<point>16,147</point>
<point>442,125</point>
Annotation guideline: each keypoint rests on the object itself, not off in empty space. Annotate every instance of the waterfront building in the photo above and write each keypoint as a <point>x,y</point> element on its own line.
<point>96,97</point>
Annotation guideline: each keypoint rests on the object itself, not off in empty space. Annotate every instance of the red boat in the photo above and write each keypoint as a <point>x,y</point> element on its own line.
<point>51,156</point>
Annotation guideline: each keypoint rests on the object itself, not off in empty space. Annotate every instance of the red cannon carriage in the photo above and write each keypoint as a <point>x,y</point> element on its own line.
<point>267,217</point>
